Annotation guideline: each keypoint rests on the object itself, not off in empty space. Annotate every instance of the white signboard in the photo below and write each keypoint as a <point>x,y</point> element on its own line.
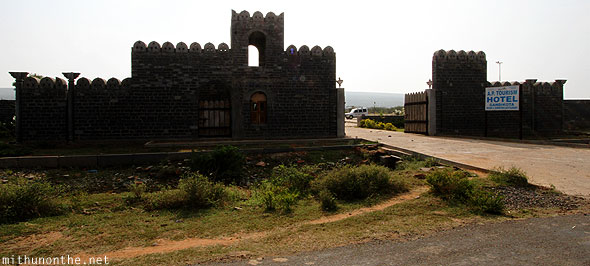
<point>502,98</point>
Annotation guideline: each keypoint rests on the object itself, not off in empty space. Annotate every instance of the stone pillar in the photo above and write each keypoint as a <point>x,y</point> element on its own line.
<point>71,76</point>
<point>340,113</point>
<point>431,112</point>
<point>19,77</point>
<point>530,84</point>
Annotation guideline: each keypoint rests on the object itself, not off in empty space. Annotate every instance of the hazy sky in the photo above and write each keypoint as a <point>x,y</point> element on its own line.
<point>381,46</point>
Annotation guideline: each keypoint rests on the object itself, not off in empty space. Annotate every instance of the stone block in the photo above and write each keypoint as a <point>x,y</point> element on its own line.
<point>108,160</point>
<point>80,161</point>
<point>37,162</point>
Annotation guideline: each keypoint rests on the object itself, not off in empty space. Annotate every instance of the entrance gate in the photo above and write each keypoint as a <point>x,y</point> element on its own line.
<point>214,118</point>
<point>416,110</point>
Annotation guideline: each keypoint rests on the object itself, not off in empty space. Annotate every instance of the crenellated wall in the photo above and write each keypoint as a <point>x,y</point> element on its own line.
<point>576,114</point>
<point>540,114</point>
<point>43,109</point>
<point>300,79</point>
<point>173,89</point>
<point>459,82</point>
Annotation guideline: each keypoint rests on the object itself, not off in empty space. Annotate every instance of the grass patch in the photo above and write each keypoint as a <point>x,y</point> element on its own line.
<point>512,177</point>
<point>456,188</point>
<point>196,207</point>
<point>24,199</point>
<point>283,189</point>
<point>194,192</point>
<point>361,182</point>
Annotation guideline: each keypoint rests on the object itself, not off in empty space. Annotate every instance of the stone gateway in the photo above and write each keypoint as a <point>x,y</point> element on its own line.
<point>194,92</point>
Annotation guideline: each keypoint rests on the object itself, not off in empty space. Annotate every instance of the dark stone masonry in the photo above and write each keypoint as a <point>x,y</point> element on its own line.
<point>459,82</point>
<point>194,92</point>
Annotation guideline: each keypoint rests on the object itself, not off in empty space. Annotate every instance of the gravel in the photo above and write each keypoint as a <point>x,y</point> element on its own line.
<point>536,197</point>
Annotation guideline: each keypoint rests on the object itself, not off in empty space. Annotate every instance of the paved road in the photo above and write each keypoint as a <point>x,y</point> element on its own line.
<point>563,240</point>
<point>568,169</point>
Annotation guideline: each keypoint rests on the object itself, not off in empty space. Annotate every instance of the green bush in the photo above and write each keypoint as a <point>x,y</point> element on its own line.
<point>390,126</point>
<point>224,164</point>
<point>8,150</point>
<point>292,179</point>
<point>431,162</point>
<point>511,177</point>
<point>451,185</point>
<point>363,123</point>
<point>194,192</point>
<point>368,123</point>
<point>483,201</point>
<point>275,197</point>
<point>24,199</point>
<point>455,187</point>
<point>327,200</point>
<point>355,183</point>
<point>137,193</point>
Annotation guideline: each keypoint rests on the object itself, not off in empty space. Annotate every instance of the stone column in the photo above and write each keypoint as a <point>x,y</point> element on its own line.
<point>71,76</point>
<point>531,84</point>
<point>431,117</point>
<point>340,132</point>
<point>19,77</point>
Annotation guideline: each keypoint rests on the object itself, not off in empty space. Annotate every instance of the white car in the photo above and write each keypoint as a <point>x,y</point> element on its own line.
<point>357,112</point>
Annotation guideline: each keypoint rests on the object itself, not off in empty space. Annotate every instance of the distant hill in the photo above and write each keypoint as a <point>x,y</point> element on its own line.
<point>381,99</point>
<point>7,93</point>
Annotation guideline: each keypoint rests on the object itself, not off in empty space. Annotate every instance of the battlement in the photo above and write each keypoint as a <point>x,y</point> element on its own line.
<point>99,84</point>
<point>45,87</point>
<point>181,47</point>
<point>315,51</point>
<point>442,55</point>
<point>60,86</point>
<point>256,17</point>
<point>531,82</point>
<point>539,88</point>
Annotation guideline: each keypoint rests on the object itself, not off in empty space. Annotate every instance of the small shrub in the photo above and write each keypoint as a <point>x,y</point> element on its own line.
<point>450,185</point>
<point>363,123</point>
<point>194,192</point>
<point>225,164</point>
<point>292,179</point>
<point>455,187</point>
<point>200,191</point>
<point>24,199</point>
<point>431,162</point>
<point>511,177</point>
<point>410,163</point>
<point>327,200</point>
<point>354,183</point>
<point>483,201</point>
<point>275,197</point>
<point>137,193</point>
<point>368,123</point>
<point>390,126</point>
<point>166,199</point>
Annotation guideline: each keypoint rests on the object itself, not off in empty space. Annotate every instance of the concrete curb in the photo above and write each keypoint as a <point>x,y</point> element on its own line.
<point>402,152</point>
<point>112,160</point>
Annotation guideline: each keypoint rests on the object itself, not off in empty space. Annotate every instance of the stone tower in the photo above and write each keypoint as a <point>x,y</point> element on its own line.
<point>264,32</point>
